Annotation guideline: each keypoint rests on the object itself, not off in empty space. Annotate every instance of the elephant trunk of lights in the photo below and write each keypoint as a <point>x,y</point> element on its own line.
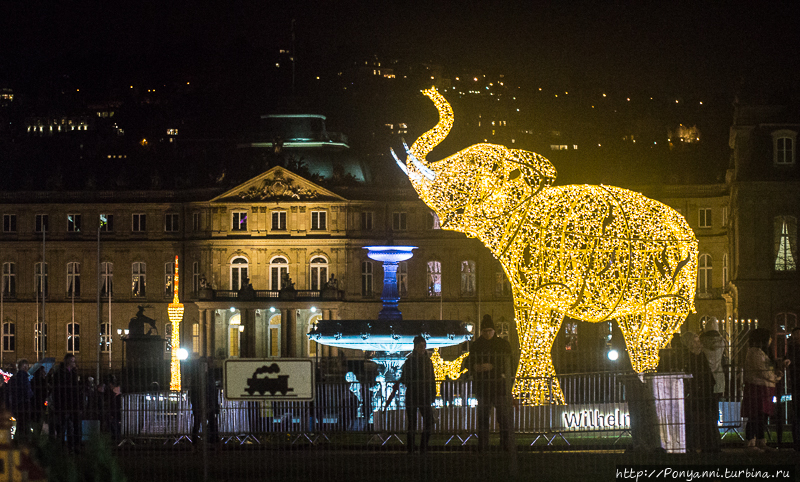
<point>592,253</point>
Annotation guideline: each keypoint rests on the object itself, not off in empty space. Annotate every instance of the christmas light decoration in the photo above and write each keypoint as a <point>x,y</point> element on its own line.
<point>592,253</point>
<point>175,312</point>
<point>446,369</point>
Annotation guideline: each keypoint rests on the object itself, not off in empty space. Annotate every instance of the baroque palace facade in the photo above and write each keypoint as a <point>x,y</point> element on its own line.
<point>300,247</point>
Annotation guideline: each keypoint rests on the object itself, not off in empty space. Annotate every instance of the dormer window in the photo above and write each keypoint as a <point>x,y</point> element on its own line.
<point>783,147</point>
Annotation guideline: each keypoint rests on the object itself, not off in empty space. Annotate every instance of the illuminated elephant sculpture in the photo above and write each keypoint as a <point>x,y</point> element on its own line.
<point>592,253</point>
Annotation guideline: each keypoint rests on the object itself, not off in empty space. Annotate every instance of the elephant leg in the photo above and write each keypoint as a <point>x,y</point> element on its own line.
<point>536,382</point>
<point>647,333</point>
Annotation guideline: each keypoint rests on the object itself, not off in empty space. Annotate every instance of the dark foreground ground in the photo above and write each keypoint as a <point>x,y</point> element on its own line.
<point>321,463</point>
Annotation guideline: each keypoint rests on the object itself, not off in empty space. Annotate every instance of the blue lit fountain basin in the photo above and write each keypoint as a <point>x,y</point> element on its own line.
<point>389,336</point>
<point>390,254</point>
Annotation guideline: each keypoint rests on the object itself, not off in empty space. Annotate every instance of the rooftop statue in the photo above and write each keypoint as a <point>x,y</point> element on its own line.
<point>592,253</point>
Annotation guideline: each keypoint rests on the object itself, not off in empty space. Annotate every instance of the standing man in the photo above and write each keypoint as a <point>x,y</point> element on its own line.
<point>420,382</point>
<point>793,371</point>
<point>20,397</point>
<point>492,368</point>
<point>68,403</point>
<point>203,391</point>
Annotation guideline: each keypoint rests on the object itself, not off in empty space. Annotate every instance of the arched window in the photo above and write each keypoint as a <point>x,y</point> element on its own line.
<point>704,274</point>
<point>235,329</point>
<point>9,337</point>
<point>785,228</point>
<point>73,337</point>
<point>9,279</point>
<point>319,273</point>
<point>468,278</point>
<point>278,269</point>
<point>239,273</point>
<point>434,278</point>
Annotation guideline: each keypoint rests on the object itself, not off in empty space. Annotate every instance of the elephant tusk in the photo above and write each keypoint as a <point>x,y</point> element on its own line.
<point>399,162</point>
<point>430,175</point>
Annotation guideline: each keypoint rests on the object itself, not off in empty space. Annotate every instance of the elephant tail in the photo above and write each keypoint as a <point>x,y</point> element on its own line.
<point>427,141</point>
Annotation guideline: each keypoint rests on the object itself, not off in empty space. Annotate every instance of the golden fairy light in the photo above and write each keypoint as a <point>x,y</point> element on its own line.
<point>446,369</point>
<point>592,253</point>
<point>175,312</point>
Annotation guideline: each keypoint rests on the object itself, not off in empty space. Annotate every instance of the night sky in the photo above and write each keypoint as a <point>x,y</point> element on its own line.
<point>673,47</point>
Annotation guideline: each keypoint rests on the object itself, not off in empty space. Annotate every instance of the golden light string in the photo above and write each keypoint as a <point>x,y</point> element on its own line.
<point>446,369</point>
<point>592,253</point>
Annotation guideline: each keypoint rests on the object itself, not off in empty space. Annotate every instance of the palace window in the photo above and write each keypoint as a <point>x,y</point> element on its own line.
<point>319,220</point>
<point>278,270</point>
<point>279,220</point>
<point>107,279</point>
<point>42,223</point>
<point>319,273</point>
<point>501,285</point>
<point>195,222</point>
<point>73,337</point>
<point>171,221</point>
<point>106,337</point>
<point>106,223</point>
<point>434,278</point>
<point>73,279</point>
<point>239,272</point>
<point>40,337</point>
<point>704,218</point>
<point>40,275</point>
<point>366,221</point>
<point>402,278</point>
<point>366,278</point>
<point>169,276</point>
<point>239,221</point>
<point>195,277</point>
<point>399,221</point>
<point>9,223</point>
<point>783,143</point>
<point>139,223</point>
<point>468,278</point>
<point>138,279</point>
<point>704,273</point>
<point>9,279</point>
<point>9,336</point>
<point>73,223</point>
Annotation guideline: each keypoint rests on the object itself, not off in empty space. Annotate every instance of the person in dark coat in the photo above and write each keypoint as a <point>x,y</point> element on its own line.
<point>793,375</point>
<point>492,368</point>
<point>420,381</point>
<point>20,398</point>
<point>40,394</point>
<point>67,403</point>
<point>204,386</point>
<point>702,432</point>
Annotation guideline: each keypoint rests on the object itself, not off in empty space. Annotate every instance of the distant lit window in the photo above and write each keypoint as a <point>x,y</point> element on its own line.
<point>570,335</point>
<point>239,221</point>
<point>704,218</point>
<point>784,147</point>
<point>319,220</point>
<point>172,132</point>
<point>785,250</point>
<point>40,337</point>
<point>105,337</point>
<point>73,337</point>
<point>434,271</point>
<point>138,279</point>
<point>278,272</point>
<point>169,276</point>
<point>195,277</point>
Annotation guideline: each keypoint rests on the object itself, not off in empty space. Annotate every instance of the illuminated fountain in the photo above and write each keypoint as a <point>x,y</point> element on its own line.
<point>389,335</point>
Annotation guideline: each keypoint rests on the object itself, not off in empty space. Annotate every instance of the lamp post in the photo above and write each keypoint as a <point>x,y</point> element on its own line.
<point>123,336</point>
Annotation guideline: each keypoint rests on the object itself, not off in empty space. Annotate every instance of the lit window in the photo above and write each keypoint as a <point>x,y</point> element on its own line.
<point>239,221</point>
<point>279,220</point>
<point>319,220</point>
<point>570,335</point>
<point>106,337</point>
<point>704,218</point>
<point>40,337</point>
<point>169,275</point>
<point>73,223</point>
<point>434,278</point>
<point>785,251</point>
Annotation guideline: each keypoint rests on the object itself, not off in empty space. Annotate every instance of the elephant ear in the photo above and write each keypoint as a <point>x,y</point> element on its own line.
<point>527,173</point>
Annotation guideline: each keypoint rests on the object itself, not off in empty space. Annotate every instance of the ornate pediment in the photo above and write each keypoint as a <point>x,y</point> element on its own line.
<point>278,184</point>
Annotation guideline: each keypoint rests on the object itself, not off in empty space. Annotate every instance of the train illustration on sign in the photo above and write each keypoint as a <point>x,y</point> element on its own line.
<point>279,384</point>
